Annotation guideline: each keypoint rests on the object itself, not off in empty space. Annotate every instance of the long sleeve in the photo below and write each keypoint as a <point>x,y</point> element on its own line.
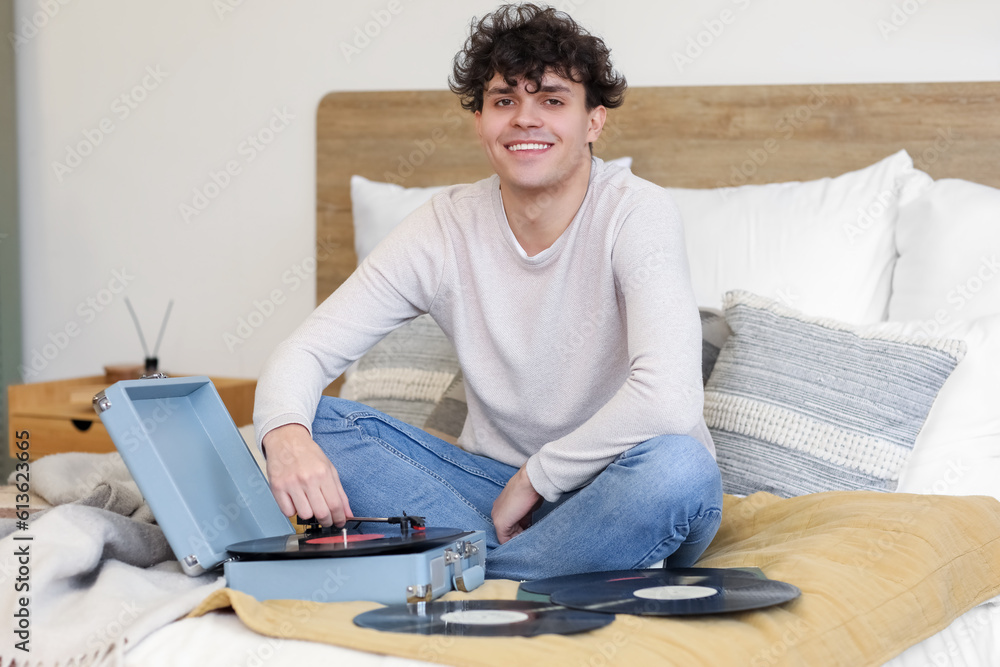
<point>394,284</point>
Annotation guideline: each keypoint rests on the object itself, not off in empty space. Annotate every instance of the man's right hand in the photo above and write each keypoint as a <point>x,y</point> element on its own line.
<point>302,479</point>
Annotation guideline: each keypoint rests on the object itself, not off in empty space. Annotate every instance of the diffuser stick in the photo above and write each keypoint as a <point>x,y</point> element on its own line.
<point>142,339</point>
<point>163,328</point>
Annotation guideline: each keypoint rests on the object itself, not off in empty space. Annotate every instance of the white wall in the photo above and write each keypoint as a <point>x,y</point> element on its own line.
<point>112,224</point>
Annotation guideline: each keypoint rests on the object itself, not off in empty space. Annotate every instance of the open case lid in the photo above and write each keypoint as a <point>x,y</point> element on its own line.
<point>192,466</point>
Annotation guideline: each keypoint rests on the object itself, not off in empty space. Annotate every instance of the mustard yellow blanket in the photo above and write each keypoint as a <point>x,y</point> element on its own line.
<point>878,572</point>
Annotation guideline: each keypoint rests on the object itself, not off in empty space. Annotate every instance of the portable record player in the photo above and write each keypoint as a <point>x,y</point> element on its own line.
<point>215,508</point>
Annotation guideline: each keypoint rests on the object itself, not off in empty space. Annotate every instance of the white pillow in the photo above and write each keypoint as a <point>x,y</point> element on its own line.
<point>949,254</point>
<point>958,450</point>
<point>824,247</point>
<point>378,207</point>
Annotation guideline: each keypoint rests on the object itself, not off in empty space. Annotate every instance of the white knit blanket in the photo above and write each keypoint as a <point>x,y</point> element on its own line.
<point>96,574</point>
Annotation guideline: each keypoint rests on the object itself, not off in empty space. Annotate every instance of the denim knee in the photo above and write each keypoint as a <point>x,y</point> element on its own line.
<point>676,469</point>
<point>332,407</point>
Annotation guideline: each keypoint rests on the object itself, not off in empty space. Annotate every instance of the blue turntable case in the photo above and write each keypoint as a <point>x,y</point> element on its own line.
<point>207,493</point>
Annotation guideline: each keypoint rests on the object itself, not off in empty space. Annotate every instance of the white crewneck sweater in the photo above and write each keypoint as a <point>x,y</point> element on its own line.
<point>570,357</point>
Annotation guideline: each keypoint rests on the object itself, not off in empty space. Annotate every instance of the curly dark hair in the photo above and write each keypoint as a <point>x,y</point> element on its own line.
<point>525,41</point>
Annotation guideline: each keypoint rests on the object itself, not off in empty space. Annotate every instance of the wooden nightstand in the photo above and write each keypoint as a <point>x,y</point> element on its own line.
<point>60,418</point>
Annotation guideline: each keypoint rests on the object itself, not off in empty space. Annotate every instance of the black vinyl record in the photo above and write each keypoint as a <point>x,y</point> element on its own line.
<point>678,593</point>
<point>550,585</point>
<point>331,543</point>
<point>482,618</point>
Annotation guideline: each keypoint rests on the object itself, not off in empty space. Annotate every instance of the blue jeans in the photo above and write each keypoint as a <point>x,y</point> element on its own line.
<point>662,499</point>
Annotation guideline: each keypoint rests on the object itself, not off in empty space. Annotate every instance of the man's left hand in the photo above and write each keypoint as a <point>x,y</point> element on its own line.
<point>513,507</point>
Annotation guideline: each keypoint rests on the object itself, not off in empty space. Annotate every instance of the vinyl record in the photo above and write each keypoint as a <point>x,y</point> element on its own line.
<point>482,618</point>
<point>678,593</point>
<point>552,584</point>
<point>332,543</point>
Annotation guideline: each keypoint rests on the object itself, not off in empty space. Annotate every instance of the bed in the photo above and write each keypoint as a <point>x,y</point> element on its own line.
<point>875,246</point>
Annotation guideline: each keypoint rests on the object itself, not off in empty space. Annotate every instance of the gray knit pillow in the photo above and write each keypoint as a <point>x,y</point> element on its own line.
<point>799,404</point>
<point>447,419</point>
<point>406,373</point>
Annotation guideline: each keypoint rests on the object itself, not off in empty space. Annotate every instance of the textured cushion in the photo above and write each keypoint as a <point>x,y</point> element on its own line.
<point>949,254</point>
<point>799,404</point>
<point>825,246</point>
<point>406,373</point>
<point>447,419</point>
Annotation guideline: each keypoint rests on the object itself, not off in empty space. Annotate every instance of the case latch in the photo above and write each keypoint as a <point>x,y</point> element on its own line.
<point>469,579</point>
<point>100,402</point>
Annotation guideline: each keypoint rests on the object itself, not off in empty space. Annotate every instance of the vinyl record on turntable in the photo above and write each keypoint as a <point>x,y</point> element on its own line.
<point>678,593</point>
<point>332,543</point>
<point>482,618</point>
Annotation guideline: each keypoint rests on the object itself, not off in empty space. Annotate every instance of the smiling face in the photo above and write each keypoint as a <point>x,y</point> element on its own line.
<point>538,140</point>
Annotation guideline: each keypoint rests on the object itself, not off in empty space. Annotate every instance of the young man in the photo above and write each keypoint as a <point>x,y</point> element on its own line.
<point>564,285</point>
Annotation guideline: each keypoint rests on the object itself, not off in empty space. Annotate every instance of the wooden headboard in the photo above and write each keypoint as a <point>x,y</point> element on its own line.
<point>702,137</point>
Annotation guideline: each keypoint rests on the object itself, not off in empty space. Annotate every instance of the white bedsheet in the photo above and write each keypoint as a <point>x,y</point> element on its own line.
<point>220,638</point>
<point>972,640</point>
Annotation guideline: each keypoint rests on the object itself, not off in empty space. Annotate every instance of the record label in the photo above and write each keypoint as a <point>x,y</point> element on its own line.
<point>648,577</point>
<point>345,539</point>
<point>675,592</point>
<point>482,618</point>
